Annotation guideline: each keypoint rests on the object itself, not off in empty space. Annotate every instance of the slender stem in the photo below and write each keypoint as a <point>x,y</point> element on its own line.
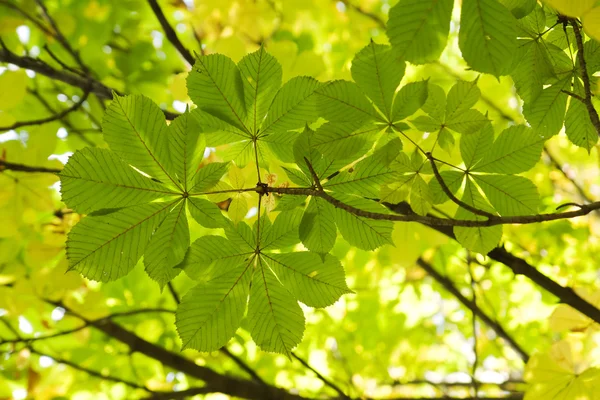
<point>51,118</point>
<point>475,309</point>
<point>170,32</point>
<point>5,165</point>
<point>587,100</point>
<point>90,372</point>
<point>451,195</point>
<point>323,379</point>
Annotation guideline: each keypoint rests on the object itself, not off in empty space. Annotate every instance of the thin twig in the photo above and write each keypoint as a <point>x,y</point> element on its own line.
<point>170,33</point>
<point>451,195</point>
<point>90,372</point>
<point>574,95</point>
<point>472,305</point>
<point>5,165</point>
<point>587,100</point>
<point>323,379</point>
<point>61,38</point>
<point>42,68</point>
<point>55,117</point>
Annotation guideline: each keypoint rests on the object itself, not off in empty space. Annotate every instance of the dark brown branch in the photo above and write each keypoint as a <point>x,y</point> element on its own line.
<point>472,305</point>
<point>5,165</point>
<point>323,379</point>
<point>314,174</point>
<point>587,100</point>
<point>42,68</point>
<point>451,195</point>
<point>183,394</point>
<point>519,266</point>
<point>51,118</point>
<point>429,219</point>
<point>574,95</point>
<point>170,33</point>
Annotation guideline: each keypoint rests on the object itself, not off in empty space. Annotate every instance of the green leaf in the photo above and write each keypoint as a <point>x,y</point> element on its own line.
<point>418,29</point>
<point>362,232</point>
<point>210,255</point>
<point>481,239</point>
<point>510,194</point>
<point>487,36</point>
<point>275,319</point>
<point>435,105</point>
<point>519,8</point>
<point>206,213</point>
<point>461,97</point>
<point>215,86</point>
<point>547,112</point>
<point>216,131</point>
<point>365,178</point>
<point>313,281</point>
<point>341,101</point>
<point>283,233</point>
<point>409,99</point>
<point>517,149</point>
<point>186,149</point>
<point>106,247</point>
<point>206,177</point>
<point>168,247</point>
<point>211,312</point>
<point>261,76</point>
<point>378,72</point>
<point>578,126</point>
<point>96,178</point>
<point>317,227</point>
<point>289,202</point>
<point>533,69</point>
<point>293,106</point>
<point>426,124</point>
<point>344,140</point>
<point>467,122</point>
<point>474,147</point>
<point>420,196</point>
<point>135,129</point>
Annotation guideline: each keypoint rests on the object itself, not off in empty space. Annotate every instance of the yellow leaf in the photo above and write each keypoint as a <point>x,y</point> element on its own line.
<point>591,23</point>
<point>236,177</point>
<point>178,87</point>
<point>565,318</point>
<point>571,8</point>
<point>238,208</point>
<point>14,85</point>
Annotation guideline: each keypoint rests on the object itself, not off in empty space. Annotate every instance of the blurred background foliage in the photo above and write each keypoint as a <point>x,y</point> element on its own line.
<point>401,334</point>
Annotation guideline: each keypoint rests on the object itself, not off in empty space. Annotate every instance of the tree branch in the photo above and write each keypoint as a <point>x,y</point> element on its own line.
<point>519,266</point>
<point>574,95</point>
<point>182,394</point>
<point>5,165</point>
<point>587,100</point>
<point>90,372</point>
<point>70,78</point>
<point>51,118</point>
<point>170,33</point>
<point>582,210</point>
<point>61,38</point>
<point>323,379</point>
<point>472,305</point>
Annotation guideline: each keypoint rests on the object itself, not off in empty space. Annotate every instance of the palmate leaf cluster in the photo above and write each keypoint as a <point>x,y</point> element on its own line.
<point>352,141</point>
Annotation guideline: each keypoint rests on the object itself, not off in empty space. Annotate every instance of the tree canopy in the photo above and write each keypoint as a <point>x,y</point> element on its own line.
<point>285,199</point>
